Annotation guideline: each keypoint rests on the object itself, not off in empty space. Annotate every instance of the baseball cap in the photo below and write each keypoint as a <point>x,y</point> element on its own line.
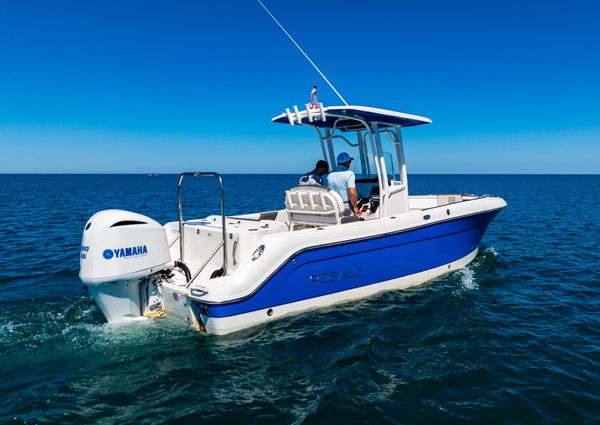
<point>343,157</point>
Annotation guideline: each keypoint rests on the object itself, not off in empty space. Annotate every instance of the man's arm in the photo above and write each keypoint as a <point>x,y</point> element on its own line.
<point>352,193</point>
<point>353,198</point>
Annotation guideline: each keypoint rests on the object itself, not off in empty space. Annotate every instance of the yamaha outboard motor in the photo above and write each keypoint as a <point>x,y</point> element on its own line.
<point>119,250</point>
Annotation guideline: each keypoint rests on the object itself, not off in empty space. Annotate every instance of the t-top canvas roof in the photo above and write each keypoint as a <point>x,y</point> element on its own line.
<point>383,117</point>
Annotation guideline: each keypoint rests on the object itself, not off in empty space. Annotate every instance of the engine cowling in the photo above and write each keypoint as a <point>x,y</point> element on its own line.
<point>121,245</point>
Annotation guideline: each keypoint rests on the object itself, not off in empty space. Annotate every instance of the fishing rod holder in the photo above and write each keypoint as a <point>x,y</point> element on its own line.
<point>223,219</point>
<point>313,114</point>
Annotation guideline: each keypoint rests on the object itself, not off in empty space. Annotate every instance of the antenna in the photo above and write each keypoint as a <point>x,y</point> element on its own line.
<point>302,51</point>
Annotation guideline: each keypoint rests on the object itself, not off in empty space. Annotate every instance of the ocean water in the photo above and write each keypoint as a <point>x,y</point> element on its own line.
<point>514,338</point>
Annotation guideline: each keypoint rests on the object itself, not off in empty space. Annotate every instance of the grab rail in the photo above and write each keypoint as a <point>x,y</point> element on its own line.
<point>202,174</point>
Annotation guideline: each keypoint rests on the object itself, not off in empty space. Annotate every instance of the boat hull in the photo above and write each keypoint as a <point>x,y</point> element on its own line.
<point>324,275</point>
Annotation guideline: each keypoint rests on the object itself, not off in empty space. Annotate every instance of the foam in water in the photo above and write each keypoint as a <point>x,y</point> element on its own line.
<point>467,278</point>
<point>7,327</point>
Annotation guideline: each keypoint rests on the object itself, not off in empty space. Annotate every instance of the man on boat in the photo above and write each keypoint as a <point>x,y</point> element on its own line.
<point>317,176</point>
<point>343,181</point>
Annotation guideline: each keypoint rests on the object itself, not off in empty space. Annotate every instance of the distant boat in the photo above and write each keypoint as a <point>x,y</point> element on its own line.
<point>152,174</point>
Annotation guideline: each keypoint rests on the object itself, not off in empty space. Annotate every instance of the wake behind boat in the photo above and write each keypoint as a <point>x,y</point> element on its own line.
<point>225,273</point>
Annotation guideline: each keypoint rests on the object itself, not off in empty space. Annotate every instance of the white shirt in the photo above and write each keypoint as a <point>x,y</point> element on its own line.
<point>340,180</point>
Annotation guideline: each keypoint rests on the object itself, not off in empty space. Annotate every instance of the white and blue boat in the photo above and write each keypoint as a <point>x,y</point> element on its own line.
<point>225,273</point>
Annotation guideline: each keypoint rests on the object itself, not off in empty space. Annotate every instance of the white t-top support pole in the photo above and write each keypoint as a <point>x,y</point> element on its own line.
<point>383,180</point>
<point>321,142</point>
<point>401,159</point>
<point>332,161</point>
<point>363,156</point>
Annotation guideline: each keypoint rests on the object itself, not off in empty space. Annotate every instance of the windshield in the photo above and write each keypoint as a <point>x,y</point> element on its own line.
<point>368,170</point>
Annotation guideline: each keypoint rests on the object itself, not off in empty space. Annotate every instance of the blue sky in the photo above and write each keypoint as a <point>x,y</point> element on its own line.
<point>138,86</point>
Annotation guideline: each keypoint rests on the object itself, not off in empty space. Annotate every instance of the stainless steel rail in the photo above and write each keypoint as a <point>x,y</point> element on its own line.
<point>179,182</point>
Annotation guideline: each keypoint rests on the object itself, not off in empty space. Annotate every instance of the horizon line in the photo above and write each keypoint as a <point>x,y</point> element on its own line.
<point>282,174</point>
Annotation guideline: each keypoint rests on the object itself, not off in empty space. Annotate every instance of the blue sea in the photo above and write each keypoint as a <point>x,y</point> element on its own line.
<point>514,338</point>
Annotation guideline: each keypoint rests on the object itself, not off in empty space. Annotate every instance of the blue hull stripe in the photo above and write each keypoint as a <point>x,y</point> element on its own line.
<point>334,268</point>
